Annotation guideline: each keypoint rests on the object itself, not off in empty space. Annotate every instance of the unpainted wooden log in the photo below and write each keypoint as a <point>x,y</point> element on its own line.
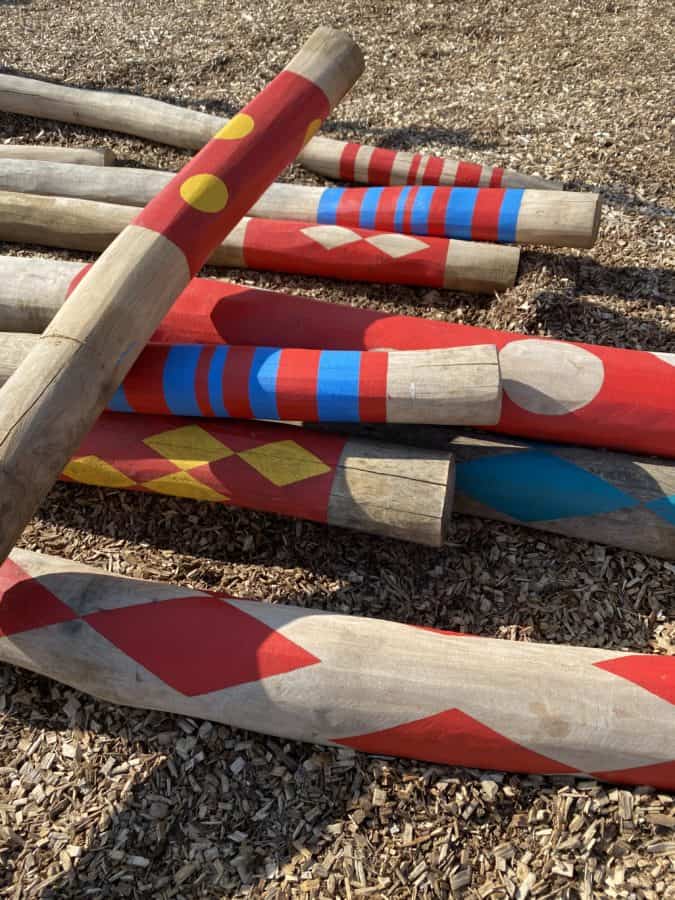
<point>189,129</point>
<point>55,395</point>
<point>80,156</point>
<point>353,254</point>
<point>371,685</point>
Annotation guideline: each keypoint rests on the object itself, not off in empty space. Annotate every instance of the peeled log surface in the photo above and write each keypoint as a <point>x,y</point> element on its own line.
<point>485,214</point>
<point>186,128</point>
<point>353,254</point>
<point>456,386</point>
<point>55,395</point>
<point>81,156</point>
<point>389,490</point>
<point>376,686</point>
<point>553,390</point>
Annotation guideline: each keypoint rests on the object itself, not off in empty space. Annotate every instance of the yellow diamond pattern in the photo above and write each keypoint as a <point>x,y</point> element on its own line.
<point>188,447</point>
<point>182,484</point>
<point>94,470</point>
<point>284,462</point>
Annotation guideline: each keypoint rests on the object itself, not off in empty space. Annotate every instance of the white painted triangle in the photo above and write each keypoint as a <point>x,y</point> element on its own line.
<point>397,245</point>
<point>665,357</point>
<point>331,236</point>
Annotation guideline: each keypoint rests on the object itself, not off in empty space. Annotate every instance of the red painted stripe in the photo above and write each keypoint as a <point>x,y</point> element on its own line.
<point>380,165</point>
<point>78,278</point>
<point>486,214</point>
<point>202,381</point>
<point>347,160</point>
<point>386,209</point>
<point>433,171</point>
<point>373,386</point>
<point>407,210</point>
<point>439,204</point>
<point>236,373</point>
<point>349,207</point>
<point>468,174</point>
<point>296,385</point>
<point>144,385</point>
<point>414,166</point>
<point>496,177</point>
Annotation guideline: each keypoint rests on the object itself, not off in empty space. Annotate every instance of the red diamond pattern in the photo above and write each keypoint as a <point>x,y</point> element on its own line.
<point>26,604</point>
<point>655,674</point>
<point>199,644</point>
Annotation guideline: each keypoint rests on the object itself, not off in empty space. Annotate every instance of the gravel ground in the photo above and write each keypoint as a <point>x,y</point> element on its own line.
<point>99,801</point>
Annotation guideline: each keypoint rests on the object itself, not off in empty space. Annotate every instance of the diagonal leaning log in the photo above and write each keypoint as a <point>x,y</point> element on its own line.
<point>354,254</point>
<point>376,686</point>
<point>180,127</point>
<point>55,395</point>
<point>509,215</point>
<point>81,156</point>
<point>457,386</point>
<point>553,390</point>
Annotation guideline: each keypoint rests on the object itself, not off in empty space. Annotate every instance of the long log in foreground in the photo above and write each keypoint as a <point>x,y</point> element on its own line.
<point>457,386</point>
<point>385,489</point>
<point>353,254</point>
<point>81,156</point>
<point>189,129</point>
<point>553,390</point>
<point>376,686</point>
<point>55,395</point>
<point>553,218</point>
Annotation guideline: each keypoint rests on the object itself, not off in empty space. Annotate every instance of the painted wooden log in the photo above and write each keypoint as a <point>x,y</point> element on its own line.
<point>553,390</point>
<point>186,128</point>
<point>353,254</point>
<point>81,156</point>
<point>55,395</point>
<point>457,386</point>
<point>372,685</point>
<point>484,214</point>
<point>384,489</point>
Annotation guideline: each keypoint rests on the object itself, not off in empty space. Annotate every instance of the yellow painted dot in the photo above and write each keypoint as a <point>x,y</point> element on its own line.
<point>238,127</point>
<point>207,193</point>
<point>312,129</point>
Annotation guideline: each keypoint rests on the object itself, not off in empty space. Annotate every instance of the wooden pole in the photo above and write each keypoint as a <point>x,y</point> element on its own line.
<point>457,386</point>
<point>179,127</point>
<point>329,251</point>
<point>553,390</point>
<point>495,214</point>
<point>384,489</point>
<point>81,156</point>
<point>55,395</point>
<point>372,685</point>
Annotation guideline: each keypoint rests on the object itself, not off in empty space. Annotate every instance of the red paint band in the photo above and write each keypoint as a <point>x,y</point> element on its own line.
<point>347,161</point>
<point>373,387</point>
<point>414,167</point>
<point>349,208</point>
<point>468,174</point>
<point>386,209</point>
<point>236,376</point>
<point>485,220</point>
<point>144,384</point>
<point>433,171</point>
<point>496,177</point>
<point>380,165</point>
<point>202,381</point>
<point>407,211</point>
<point>437,210</point>
<point>296,385</point>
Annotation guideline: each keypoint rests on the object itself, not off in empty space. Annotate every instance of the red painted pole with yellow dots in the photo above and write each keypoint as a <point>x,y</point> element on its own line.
<point>64,383</point>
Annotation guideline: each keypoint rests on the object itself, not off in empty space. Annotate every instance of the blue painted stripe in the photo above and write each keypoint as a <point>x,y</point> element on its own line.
<point>419,218</point>
<point>179,379</point>
<point>371,198</point>
<point>119,402</point>
<point>262,383</point>
<point>328,206</point>
<point>338,386</point>
<point>508,215</point>
<point>536,486</point>
<point>215,381</point>
<point>400,208</point>
<point>459,212</point>
<point>664,507</point>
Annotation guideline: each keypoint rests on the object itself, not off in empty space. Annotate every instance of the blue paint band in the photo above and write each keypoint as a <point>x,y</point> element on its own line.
<point>664,507</point>
<point>215,381</point>
<point>179,379</point>
<point>419,219</point>
<point>119,402</point>
<point>399,212</point>
<point>328,206</point>
<point>459,212</point>
<point>371,198</point>
<point>262,383</point>
<point>507,225</point>
<point>537,486</point>
<point>337,385</point>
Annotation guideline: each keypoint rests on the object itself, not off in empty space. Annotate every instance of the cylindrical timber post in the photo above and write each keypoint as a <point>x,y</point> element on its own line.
<point>81,156</point>
<point>55,395</point>
<point>179,127</point>
<point>372,685</point>
<point>353,254</point>
<point>480,214</point>
<point>457,386</point>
